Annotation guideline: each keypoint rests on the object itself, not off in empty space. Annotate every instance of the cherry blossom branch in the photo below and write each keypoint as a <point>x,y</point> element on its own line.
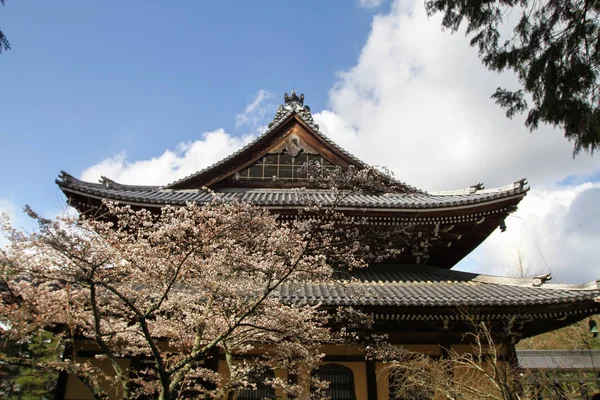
<point>164,376</point>
<point>167,290</point>
<point>105,348</point>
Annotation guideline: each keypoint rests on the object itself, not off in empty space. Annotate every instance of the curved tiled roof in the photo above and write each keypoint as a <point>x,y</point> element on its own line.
<point>294,105</point>
<point>427,286</point>
<point>410,198</point>
<point>155,195</point>
<point>559,359</point>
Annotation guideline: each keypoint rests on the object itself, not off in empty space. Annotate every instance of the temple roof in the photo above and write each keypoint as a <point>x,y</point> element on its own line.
<point>159,196</point>
<point>293,122</point>
<point>268,173</point>
<point>428,286</point>
<point>447,226</point>
<point>293,107</point>
<point>559,359</point>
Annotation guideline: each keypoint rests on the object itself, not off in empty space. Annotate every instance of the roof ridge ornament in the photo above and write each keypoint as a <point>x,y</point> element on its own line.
<point>293,104</point>
<point>478,186</point>
<point>66,177</point>
<point>294,98</point>
<point>109,183</point>
<point>539,280</point>
<point>521,184</point>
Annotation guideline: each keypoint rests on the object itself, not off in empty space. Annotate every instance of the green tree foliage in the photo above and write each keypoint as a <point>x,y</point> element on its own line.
<point>25,383</point>
<point>554,50</point>
<point>576,336</point>
<point>4,44</point>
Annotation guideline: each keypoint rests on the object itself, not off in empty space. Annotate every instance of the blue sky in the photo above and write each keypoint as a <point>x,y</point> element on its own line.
<point>145,92</point>
<point>85,80</point>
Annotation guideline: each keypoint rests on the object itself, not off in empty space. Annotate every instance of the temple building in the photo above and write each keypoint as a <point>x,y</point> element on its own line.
<point>416,299</point>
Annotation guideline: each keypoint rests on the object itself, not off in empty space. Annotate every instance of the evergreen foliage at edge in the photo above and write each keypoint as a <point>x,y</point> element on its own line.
<point>28,383</point>
<point>4,43</point>
<point>554,52</point>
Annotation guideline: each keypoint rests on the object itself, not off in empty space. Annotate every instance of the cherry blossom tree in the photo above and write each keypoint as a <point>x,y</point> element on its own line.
<point>485,372</point>
<point>176,289</point>
<point>482,373</point>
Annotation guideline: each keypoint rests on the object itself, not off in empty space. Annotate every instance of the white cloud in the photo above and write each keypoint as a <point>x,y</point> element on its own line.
<point>554,231</point>
<point>255,112</point>
<point>188,157</point>
<point>418,101</point>
<point>7,207</point>
<point>171,165</point>
<point>22,222</point>
<point>370,3</point>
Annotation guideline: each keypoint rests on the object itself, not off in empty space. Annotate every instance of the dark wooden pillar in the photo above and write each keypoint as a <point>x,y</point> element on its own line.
<point>511,354</point>
<point>445,350</point>
<point>371,380</point>
<point>63,377</point>
<point>61,386</point>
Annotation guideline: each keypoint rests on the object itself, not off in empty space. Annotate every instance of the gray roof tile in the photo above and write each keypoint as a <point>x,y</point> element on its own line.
<point>294,105</point>
<point>283,197</point>
<point>411,198</point>
<point>431,286</point>
<point>561,359</point>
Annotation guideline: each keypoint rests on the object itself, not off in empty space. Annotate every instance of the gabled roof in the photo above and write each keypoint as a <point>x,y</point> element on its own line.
<point>471,214</point>
<point>428,295</point>
<point>558,359</point>
<point>160,196</point>
<point>293,109</point>
<point>429,286</point>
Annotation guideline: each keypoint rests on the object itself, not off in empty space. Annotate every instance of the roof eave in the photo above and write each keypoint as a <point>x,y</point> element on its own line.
<point>70,189</point>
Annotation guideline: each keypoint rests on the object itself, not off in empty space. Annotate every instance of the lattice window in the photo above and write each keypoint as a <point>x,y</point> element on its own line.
<point>341,381</point>
<point>282,167</point>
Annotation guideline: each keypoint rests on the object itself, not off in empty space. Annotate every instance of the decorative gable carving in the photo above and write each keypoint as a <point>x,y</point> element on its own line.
<point>281,163</point>
<point>293,132</point>
<point>293,144</point>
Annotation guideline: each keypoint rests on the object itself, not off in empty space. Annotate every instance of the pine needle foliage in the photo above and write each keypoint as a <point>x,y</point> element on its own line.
<point>4,43</point>
<point>25,383</point>
<point>554,50</point>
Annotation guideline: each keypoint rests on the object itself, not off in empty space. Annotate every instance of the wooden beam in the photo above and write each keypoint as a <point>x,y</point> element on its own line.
<point>371,380</point>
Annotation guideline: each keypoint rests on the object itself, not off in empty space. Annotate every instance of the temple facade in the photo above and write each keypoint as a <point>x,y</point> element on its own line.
<point>416,299</point>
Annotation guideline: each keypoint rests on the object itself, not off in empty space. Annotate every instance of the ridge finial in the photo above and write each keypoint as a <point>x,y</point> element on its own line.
<point>294,98</point>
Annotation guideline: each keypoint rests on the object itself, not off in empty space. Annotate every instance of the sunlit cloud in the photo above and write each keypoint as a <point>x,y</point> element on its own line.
<point>255,112</point>
<point>418,101</point>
